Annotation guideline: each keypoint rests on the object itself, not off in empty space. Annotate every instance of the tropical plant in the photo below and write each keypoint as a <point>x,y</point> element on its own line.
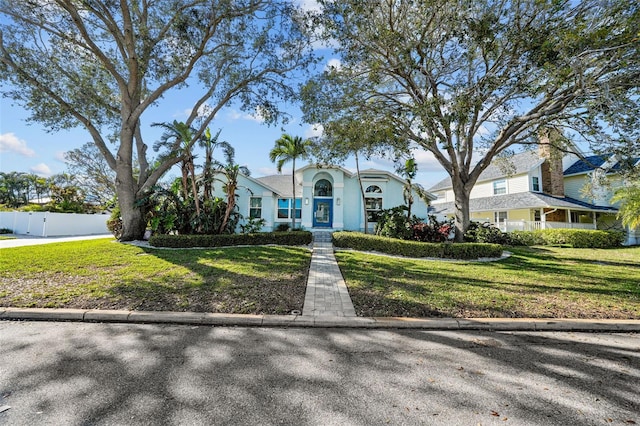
<point>432,231</point>
<point>102,65</point>
<point>289,148</point>
<point>629,209</point>
<point>177,140</point>
<point>210,143</point>
<point>393,223</point>
<point>252,225</point>
<point>230,172</point>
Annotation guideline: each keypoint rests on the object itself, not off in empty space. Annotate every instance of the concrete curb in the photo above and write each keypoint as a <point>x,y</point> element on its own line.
<point>201,318</point>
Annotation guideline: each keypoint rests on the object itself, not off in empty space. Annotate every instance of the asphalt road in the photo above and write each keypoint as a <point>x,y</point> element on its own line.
<point>121,374</point>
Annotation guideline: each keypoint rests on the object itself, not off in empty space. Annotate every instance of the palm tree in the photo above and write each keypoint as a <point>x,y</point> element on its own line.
<point>178,138</point>
<point>408,171</point>
<point>629,199</point>
<point>230,170</point>
<point>288,148</point>
<point>210,143</point>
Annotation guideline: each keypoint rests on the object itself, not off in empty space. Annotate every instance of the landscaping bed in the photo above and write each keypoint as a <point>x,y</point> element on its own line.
<point>103,274</point>
<point>289,238</point>
<point>534,282</point>
<point>394,246</point>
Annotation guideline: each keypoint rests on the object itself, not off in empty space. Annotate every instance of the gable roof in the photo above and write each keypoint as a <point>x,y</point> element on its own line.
<point>587,164</point>
<point>517,164</point>
<point>280,184</point>
<point>258,181</point>
<point>522,200</point>
<point>593,162</point>
<point>324,166</point>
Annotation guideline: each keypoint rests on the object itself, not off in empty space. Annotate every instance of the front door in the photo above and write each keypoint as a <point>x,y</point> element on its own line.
<point>322,215</point>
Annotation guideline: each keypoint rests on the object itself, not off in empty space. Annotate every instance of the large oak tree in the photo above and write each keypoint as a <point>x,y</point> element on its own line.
<point>466,80</point>
<point>102,64</point>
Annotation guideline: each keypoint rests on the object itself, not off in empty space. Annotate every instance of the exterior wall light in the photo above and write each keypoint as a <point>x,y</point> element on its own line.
<point>338,201</point>
<point>306,201</point>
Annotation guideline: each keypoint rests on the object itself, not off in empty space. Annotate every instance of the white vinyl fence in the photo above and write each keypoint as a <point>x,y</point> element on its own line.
<point>46,224</point>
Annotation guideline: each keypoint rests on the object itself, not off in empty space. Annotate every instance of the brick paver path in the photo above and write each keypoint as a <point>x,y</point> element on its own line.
<point>326,291</point>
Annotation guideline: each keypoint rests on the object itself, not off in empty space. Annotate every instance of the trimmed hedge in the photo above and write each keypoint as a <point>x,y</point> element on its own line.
<point>366,242</point>
<point>576,238</point>
<point>295,238</point>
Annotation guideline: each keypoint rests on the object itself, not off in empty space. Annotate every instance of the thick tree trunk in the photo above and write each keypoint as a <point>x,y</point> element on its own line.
<point>133,216</point>
<point>461,206</point>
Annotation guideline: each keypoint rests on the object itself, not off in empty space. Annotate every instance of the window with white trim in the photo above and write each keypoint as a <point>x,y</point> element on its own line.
<point>373,202</point>
<point>284,208</point>
<point>499,187</point>
<point>500,217</point>
<point>323,188</point>
<point>255,208</point>
<point>535,184</point>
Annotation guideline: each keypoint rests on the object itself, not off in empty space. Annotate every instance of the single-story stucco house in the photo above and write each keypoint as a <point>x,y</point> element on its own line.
<point>327,197</point>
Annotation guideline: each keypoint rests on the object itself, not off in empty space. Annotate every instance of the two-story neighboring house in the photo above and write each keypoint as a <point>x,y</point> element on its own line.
<point>534,190</point>
<point>327,198</point>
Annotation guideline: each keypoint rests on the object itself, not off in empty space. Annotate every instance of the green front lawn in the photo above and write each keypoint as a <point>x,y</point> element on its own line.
<point>537,282</point>
<point>103,274</point>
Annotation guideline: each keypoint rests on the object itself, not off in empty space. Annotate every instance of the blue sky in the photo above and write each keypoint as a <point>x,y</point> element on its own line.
<point>29,147</point>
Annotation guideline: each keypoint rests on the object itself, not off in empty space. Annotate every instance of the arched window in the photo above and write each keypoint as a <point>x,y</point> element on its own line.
<point>373,202</point>
<point>323,188</point>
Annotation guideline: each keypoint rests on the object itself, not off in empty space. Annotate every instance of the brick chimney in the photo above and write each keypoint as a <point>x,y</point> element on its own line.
<point>551,169</point>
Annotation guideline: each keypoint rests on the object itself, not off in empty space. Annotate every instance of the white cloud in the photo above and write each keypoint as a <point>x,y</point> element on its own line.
<point>11,143</point>
<point>257,116</point>
<point>313,131</point>
<point>333,64</point>
<point>41,170</point>
<point>309,5</point>
<point>426,161</point>
<point>60,156</point>
<point>203,111</point>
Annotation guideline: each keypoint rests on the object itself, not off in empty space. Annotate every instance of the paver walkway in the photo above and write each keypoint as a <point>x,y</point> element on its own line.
<point>326,290</point>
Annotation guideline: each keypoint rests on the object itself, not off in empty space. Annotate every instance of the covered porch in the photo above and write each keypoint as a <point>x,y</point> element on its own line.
<point>529,211</point>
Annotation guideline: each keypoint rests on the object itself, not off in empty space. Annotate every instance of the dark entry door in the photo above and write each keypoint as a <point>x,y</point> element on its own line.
<point>322,214</point>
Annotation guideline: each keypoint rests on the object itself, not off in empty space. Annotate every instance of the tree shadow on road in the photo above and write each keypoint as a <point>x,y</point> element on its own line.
<point>62,373</point>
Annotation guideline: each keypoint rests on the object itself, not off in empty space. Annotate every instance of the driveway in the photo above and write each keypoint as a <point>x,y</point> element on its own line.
<point>27,240</point>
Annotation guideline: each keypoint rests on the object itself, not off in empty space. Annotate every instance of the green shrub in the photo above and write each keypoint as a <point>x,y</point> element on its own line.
<point>294,238</point>
<point>6,231</point>
<point>485,233</point>
<point>282,227</point>
<point>577,238</point>
<point>432,231</point>
<point>252,226</point>
<point>364,242</point>
<point>114,223</point>
<point>393,223</point>
<point>525,238</point>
